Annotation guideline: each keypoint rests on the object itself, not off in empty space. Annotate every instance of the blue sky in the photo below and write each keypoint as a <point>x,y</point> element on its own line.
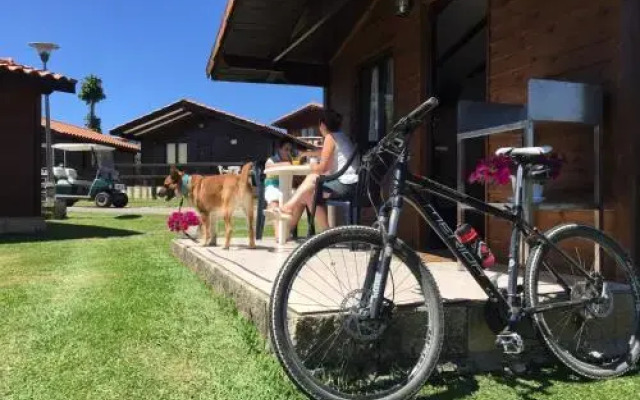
<point>148,54</point>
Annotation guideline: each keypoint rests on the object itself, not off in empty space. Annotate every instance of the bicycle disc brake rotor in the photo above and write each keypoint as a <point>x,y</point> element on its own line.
<point>357,323</point>
<point>602,304</point>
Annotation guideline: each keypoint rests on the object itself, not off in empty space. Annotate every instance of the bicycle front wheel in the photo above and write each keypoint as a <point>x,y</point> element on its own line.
<point>319,329</point>
<point>588,299</point>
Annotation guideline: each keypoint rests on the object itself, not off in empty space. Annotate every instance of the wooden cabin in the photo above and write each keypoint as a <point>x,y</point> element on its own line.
<point>198,138</point>
<point>303,123</point>
<point>21,90</point>
<point>378,59</point>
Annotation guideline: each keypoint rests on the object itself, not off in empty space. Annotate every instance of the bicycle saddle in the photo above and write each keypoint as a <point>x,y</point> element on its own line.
<point>524,152</point>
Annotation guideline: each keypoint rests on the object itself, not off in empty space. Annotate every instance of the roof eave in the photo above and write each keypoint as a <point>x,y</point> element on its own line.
<point>222,32</point>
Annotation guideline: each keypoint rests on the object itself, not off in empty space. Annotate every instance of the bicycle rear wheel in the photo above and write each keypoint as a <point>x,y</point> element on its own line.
<point>323,341</point>
<point>598,338</point>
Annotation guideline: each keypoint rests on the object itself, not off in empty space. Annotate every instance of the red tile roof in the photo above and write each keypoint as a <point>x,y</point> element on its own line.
<point>90,136</point>
<point>57,81</point>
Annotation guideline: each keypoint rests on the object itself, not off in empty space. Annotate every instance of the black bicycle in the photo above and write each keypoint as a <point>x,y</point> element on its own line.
<point>355,313</point>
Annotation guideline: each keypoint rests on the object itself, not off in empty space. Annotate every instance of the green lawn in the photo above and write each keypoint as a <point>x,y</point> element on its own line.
<point>99,309</point>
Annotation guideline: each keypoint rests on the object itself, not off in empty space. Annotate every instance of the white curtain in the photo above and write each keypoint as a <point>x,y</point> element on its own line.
<point>171,153</point>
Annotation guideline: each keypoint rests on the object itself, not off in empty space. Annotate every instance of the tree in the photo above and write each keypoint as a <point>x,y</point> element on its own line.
<point>92,93</point>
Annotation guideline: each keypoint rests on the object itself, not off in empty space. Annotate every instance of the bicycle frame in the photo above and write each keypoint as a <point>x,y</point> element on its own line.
<point>410,188</point>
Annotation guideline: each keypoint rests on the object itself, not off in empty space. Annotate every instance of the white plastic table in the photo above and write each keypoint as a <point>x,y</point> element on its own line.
<point>285,175</point>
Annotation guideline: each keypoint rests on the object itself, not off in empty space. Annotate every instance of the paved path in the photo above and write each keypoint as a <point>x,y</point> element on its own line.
<point>127,210</point>
<point>137,210</point>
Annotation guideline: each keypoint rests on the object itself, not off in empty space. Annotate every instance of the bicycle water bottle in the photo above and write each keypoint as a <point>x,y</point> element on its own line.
<point>468,236</point>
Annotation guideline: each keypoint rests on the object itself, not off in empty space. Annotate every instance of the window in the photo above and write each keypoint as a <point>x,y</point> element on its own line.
<point>182,153</point>
<point>177,153</point>
<point>171,153</point>
<point>376,85</point>
<point>308,132</point>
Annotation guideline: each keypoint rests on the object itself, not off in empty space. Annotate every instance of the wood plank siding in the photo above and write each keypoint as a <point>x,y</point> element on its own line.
<point>405,40</point>
<point>572,40</point>
<point>20,132</point>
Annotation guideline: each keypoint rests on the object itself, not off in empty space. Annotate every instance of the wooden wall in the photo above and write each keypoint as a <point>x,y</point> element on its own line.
<point>564,39</point>
<point>406,40</point>
<point>211,143</point>
<point>20,132</point>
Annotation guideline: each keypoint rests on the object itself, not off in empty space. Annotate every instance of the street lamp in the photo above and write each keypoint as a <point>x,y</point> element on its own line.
<point>44,51</point>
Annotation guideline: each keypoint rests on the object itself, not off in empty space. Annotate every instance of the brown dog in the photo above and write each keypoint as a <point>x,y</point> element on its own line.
<point>212,196</point>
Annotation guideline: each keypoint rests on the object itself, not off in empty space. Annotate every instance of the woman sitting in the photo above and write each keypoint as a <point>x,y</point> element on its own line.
<point>272,193</point>
<point>334,154</point>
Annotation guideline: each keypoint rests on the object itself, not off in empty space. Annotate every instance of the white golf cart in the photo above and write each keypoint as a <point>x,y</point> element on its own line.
<point>105,189</point>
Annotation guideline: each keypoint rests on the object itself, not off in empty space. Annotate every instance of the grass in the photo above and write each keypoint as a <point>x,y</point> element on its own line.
<point>98,309</point>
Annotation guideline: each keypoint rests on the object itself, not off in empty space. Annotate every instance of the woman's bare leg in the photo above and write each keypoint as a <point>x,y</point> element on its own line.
<point>302,194</point>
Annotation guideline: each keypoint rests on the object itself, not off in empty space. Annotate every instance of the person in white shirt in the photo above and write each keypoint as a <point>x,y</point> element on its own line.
<point>272,193</point>
<point>335,152</point>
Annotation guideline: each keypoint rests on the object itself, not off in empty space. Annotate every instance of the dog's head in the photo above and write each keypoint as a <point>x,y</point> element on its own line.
<point>172,184</point>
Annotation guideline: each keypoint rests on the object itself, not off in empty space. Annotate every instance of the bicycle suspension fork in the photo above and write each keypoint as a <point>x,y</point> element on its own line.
<point>389,220</point>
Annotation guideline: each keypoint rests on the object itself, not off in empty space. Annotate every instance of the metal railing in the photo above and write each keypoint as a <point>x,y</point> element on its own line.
<point>137,173</point>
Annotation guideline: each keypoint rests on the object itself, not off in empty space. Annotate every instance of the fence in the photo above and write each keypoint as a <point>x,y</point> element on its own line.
<point>150,174</point>
<point>143,180</point>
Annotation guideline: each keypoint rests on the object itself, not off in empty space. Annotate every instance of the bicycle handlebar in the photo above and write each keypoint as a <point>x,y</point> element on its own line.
<point>420,112</point>
<point>406,124</point>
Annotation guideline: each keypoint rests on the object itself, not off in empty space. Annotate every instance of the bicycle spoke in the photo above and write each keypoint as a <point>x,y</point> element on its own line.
<point>334,272</point>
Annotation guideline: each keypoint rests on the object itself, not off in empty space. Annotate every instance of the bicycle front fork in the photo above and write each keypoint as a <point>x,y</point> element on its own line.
<point>378,268</point>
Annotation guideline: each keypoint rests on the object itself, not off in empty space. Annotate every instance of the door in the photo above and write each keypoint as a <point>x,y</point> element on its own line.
<point>459,50</point>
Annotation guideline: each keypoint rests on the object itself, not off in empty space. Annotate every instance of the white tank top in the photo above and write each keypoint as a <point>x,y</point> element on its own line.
<point>344,149</point>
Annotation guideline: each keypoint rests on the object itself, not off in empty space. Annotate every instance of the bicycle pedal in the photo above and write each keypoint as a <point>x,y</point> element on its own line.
<point>511,342</point>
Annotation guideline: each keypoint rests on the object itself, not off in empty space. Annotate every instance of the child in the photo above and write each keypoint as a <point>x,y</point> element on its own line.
<point>272,193</point>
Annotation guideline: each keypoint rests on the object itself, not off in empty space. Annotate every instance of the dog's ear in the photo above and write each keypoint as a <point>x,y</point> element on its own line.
<point>174,173</point>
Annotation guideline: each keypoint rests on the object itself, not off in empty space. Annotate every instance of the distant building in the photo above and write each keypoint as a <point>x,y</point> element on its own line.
<point>82,162</point>
<point>303,123</point>
<point>198,138</point>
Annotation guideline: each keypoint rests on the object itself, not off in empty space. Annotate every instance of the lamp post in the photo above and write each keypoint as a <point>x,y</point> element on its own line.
<point>44,51</point>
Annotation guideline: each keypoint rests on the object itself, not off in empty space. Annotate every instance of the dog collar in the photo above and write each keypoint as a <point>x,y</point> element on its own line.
<point>185,183</point>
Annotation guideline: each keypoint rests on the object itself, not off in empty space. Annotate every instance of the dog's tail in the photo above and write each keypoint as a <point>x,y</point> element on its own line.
<point>244,174</point>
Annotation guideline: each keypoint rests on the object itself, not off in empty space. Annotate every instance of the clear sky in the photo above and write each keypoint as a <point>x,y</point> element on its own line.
<point>148,54</point>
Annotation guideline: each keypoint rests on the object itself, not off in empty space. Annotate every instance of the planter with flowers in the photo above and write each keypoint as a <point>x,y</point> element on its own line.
<point>500,170</point>
<point>182,221</point>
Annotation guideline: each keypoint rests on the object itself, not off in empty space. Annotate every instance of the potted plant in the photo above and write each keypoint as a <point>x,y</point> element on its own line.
<point>500,170</point>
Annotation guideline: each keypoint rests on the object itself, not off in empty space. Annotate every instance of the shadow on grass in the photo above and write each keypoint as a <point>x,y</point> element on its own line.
<point>529,386</point>
<point>129,216</point>
<point>57,232</point>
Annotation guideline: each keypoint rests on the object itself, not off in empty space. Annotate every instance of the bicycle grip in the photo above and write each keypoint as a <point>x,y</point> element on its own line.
<point>420,112</point>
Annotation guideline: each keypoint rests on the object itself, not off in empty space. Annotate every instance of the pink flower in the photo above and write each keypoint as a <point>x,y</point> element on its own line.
<point>179,222</point>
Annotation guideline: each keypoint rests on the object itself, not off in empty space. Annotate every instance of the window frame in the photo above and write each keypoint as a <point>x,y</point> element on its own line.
<point>385,65</point>
<point>172,152</point>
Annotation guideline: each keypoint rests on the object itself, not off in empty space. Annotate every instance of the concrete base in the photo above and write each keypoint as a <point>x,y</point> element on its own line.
<point>22,225</point>
<point>247,277</point>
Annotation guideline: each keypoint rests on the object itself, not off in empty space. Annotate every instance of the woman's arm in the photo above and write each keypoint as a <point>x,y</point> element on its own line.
<point>326,157</point>
<point>309,153</point>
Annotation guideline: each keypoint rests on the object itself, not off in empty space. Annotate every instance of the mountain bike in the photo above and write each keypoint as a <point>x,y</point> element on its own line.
<point>355,312</point>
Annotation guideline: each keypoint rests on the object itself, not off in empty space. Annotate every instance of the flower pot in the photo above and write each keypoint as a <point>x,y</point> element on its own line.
<point>538,190</point>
